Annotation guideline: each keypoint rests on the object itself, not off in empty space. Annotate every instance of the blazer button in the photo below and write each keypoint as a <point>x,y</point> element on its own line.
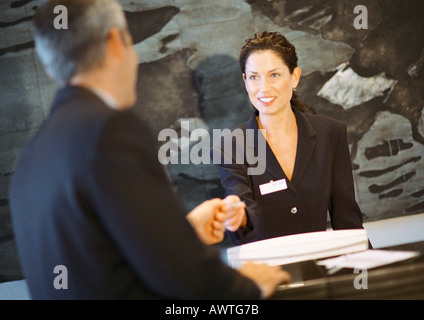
<point>293,210</point>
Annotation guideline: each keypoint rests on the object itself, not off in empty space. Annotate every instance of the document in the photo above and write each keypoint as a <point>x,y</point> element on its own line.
<point>367,259</point>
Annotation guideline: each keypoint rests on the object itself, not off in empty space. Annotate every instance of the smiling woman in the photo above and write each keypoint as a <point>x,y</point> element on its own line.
<point>269,82</point>
<point>283,56</point>
<point>308,172</point>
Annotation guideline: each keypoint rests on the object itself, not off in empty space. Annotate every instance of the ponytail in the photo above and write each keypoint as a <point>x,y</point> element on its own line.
<point>296,103</point>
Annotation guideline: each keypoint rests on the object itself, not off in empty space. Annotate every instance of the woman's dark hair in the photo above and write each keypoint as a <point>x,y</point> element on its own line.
<point>280,45</point>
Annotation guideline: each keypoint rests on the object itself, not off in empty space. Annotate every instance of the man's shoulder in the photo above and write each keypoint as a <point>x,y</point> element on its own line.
<point>84,113</point>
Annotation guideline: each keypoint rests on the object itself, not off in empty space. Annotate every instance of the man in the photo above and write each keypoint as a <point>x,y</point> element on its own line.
<point>89,195</point>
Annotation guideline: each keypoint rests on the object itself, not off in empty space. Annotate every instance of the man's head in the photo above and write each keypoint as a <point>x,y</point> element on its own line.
<point>96,40</point>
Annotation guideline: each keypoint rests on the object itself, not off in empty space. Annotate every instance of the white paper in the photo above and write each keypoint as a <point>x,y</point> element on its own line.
<point>299,247</point>
<point>367,259</point>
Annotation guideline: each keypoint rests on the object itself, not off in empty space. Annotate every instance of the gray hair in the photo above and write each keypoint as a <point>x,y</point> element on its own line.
<point>80,47</point>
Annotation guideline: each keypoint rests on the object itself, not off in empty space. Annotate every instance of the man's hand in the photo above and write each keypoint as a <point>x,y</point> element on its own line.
<point>208,220</point>
<point>235,213</point>
<point>212,217</point>
<point>267,278</point>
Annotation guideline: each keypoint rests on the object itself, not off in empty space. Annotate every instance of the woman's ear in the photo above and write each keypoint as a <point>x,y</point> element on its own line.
<point>296,77</point>
<point>244,80</point>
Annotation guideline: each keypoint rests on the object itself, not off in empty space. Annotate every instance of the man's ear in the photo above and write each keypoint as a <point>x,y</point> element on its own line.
<point>115,43</point>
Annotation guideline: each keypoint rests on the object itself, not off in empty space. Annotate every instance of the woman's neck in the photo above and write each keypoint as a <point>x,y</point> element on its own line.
<point>283,122</point>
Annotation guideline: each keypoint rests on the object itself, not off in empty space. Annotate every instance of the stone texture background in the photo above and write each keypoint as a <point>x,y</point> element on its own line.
<point>371,79</point>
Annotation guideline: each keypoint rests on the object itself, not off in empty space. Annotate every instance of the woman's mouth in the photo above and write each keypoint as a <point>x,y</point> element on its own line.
<point>266,100</point>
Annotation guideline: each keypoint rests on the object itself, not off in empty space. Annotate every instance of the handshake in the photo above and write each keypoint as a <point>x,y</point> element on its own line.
<point>211,218</point>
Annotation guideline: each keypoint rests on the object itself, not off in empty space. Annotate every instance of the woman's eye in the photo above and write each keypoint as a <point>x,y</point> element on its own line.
<point>275,75</point>
<point>253,77</point>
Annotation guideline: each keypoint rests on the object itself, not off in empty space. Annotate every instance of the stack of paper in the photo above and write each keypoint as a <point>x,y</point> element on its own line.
<point>367,259</point>
<point>299,247</point>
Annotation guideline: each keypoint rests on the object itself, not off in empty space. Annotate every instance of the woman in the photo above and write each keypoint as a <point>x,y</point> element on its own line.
<point>308,168</point>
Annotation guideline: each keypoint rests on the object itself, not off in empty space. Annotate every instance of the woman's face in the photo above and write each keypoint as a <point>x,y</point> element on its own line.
<point>269,82</point>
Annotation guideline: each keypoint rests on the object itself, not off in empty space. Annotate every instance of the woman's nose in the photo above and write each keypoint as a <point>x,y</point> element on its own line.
<point>264,85</point>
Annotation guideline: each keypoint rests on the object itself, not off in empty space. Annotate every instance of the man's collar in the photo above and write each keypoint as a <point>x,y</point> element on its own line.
<point>67,93</point>
<point>106,98</point>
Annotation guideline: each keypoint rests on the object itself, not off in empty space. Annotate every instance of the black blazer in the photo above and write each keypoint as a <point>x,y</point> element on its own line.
<point>89,194</point>
<point>322,181</point>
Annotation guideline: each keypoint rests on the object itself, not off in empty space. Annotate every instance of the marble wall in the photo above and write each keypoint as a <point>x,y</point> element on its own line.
<point>371,78</point>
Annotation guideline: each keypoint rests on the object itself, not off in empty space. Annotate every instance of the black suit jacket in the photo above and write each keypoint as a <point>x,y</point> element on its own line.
<point>89,194</point>
<point>322,181</point>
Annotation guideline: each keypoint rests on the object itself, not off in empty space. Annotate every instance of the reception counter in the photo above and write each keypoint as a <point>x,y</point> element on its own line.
<point>397,281</point>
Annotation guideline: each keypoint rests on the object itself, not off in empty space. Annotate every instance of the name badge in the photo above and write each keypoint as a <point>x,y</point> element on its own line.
<point>273,186</point>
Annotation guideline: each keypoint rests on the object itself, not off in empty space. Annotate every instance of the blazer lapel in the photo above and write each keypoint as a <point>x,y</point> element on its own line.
<point>305,146</point>
<point>271,166</point>
<point>305,149</point>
